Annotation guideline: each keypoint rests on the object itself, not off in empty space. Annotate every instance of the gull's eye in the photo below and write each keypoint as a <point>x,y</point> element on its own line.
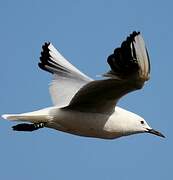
<point>142,122</point>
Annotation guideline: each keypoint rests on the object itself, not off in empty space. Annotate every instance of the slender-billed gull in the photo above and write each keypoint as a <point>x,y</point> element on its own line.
<point>87,107</point>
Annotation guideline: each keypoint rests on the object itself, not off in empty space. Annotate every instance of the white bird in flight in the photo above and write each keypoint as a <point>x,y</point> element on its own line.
<point>87,107</point>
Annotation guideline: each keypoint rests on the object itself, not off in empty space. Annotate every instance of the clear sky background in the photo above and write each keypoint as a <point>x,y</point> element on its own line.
<point>85,32</point>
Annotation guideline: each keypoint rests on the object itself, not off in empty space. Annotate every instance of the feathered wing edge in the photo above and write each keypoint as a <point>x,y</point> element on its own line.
<point>67,79</point>
<point>52,61</point>
<point>131,59</point>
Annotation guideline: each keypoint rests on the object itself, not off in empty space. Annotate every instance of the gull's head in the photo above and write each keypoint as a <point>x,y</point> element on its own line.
<point>145,128</point>
<point>139,125</point>
<point>131,123</point>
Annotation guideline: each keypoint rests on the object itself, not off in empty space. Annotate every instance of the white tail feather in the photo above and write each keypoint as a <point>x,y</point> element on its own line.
<point>39,116</point>
<point>9,116</point>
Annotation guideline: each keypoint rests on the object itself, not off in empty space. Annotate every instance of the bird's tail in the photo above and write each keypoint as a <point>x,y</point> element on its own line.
<point>40,116</point>
<point>37,119</point>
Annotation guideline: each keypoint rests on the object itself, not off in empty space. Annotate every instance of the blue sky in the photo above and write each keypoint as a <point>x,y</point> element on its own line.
<point>85,32</point>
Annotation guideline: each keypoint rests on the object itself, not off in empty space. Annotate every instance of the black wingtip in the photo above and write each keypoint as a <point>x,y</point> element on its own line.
<point>45,52</point>
<point>132,36</point>
<point>123,61</point>
<point>44,57</point>
<point>134,33</point>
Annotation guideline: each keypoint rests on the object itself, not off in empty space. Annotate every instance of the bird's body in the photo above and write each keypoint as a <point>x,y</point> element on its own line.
<point>86,107</point>
<point>87,124</point>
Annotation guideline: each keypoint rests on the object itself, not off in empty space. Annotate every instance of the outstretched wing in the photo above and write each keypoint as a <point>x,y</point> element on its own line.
<point>67,79</point>
<point>130,68</point>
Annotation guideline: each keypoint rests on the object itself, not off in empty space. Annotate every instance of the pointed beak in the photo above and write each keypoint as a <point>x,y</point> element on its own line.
<point>157,133</point>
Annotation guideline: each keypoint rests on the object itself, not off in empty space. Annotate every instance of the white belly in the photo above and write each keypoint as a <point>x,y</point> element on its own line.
<point>82,124</point>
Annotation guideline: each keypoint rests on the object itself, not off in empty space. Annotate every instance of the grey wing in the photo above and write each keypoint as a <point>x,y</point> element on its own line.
<point>130,68</point>
<point>67,79</point>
